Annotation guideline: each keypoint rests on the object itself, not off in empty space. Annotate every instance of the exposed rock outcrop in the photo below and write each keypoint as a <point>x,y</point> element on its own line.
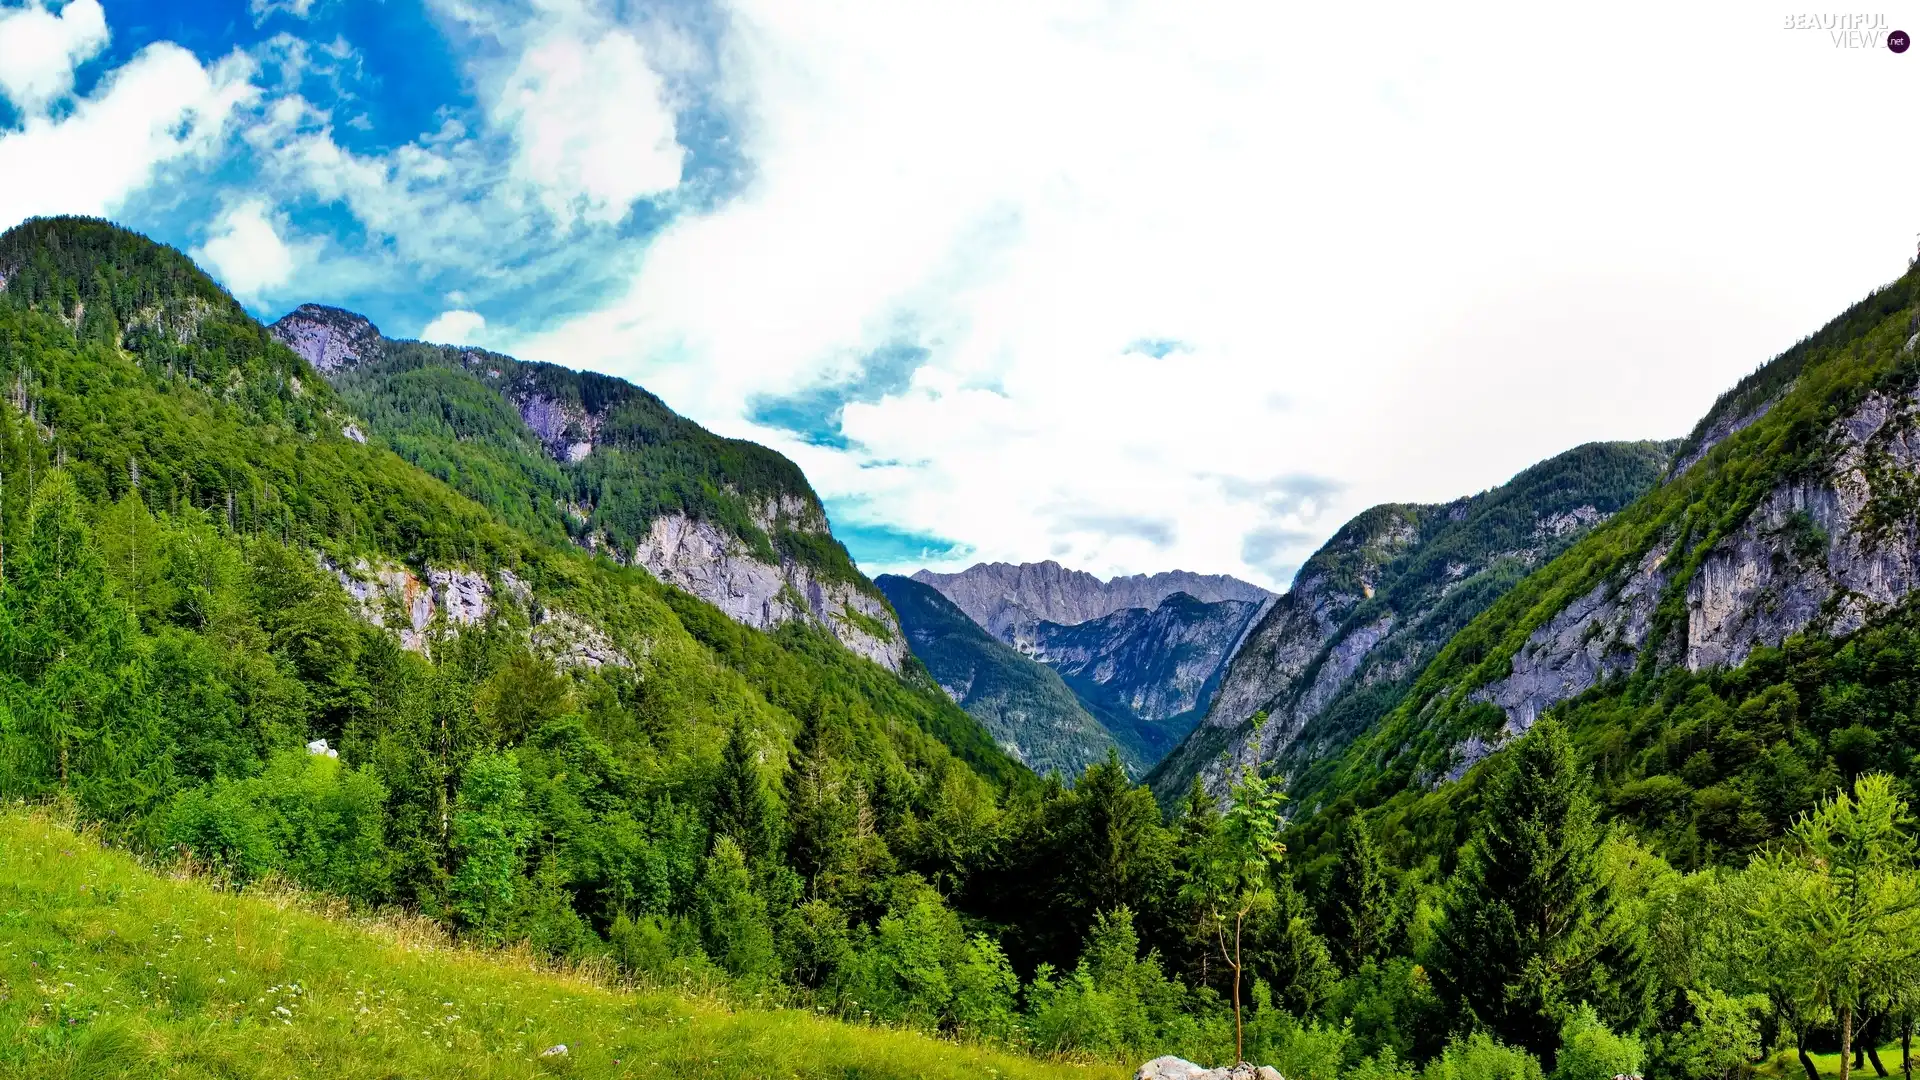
<point>330,339</point>
<point>1161,662</point>
<point>718,567</point>
<point>1370,608</point>
<point>1826,550</point>
<point>395,599</point>
<point>563,412</point>
<point>1003,596</point>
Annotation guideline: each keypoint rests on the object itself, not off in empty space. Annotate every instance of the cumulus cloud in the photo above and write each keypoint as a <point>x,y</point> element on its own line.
<point>40,47</point>
<point>1386,269</point>
<point>589,120</point>
<point>159,107</point>
<point>455,328</point>
<point>246,251</point>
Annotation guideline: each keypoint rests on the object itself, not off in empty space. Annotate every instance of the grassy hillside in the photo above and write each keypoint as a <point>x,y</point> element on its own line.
<point>1022,702</point>
<point>108,969</point>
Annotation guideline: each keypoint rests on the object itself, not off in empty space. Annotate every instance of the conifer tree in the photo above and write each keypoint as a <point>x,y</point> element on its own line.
<point>1360,904</point>
<point>1521,936</point>
<point>742,809</point>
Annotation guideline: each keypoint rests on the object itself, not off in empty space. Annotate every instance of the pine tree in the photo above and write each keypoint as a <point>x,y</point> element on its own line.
<point>742,809</point>
<point>1521,936</point>
<point>1360,905</point>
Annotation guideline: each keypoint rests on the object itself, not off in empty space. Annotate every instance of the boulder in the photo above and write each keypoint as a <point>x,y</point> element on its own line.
<point>1173,1068</point>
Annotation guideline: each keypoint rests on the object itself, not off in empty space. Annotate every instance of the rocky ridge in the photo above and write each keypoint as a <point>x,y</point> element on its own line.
<point>747,578</point>
<point>1370,608</point>
<point>1024,704</point>
<point>1004,596</point>
<point>1826,550</point>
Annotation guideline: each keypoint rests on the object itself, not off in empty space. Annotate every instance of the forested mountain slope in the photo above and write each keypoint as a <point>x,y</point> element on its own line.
<point>201,571</point>
<point>1369,609</point>
<point>1725,649</point>
<point>575,455</point>
<point>1022,702</point>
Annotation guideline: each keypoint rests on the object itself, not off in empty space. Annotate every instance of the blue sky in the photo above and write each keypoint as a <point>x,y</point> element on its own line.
<point>1129,284</point>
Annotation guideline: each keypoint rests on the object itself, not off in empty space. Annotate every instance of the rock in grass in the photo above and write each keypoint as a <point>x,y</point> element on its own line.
<point>555,1051</point>
<point>1173,1068</point>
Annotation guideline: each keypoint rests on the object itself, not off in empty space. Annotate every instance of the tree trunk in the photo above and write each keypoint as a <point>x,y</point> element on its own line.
<point>1846,1042</point>
<point>1239,1037</point>
<point>1906,1047</point>
<point>1873,1055</point>
<point>1805,1061</point>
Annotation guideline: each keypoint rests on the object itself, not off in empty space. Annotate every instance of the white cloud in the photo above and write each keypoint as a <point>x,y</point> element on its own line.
<point>160,106</point>
<point>39,48</point>
<point>455,328</point>
<point>261,9</point>
<point>246,251</point>
<point>592,129</point>
<point>1411,252</point>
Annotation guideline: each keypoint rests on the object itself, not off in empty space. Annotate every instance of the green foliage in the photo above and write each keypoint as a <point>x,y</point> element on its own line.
<point>1719,1041</point>
<point>1480,1056</point>
<point>1840,907</point>
<point>1589,1051</point>
<point>1363,917</point>
<point>1526,913</point>
<point>149,974</point>
<point>490,826</point>
<point>307,816</point>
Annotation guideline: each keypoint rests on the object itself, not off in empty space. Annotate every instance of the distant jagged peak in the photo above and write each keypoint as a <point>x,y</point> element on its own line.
<point>329,338</point>
<point>1002,596</point>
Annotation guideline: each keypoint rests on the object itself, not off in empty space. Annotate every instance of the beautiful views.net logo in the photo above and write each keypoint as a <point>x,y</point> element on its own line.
<point>1852,31</point>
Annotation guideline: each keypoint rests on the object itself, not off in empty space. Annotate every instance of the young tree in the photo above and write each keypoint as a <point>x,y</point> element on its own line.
<point>1522,937</point>
<point>1843,900</point>
<point>490,828</point>
<point>1361,904</point>
<point>1233,876</point>
<point>742,809</point>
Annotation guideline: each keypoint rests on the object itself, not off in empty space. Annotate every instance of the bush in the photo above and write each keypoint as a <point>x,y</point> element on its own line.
<point>308,817</point>
<point>1590,1051</point>
<point>1481,1057</point>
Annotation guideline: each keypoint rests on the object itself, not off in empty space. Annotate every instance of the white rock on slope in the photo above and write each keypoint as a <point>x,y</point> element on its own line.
<point>716,567</point>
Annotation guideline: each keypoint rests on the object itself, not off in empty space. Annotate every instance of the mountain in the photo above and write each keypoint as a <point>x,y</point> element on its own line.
<point>1376,602</point>
<point>1030,712</point>
<point>1143,654</point>
<point>576,456</point>
<point>1148,674</point>
<point>1002,596</point>
<point>1727,647</point>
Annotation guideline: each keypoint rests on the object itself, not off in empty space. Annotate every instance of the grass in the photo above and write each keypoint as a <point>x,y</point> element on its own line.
<point>108,969</point>
<point>1785,1064</point>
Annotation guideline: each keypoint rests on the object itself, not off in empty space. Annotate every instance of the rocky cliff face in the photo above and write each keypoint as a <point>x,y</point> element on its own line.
<point>1161,663</point>
<point>328,338</point>
<point>561,416</point>
<point>1826,550</point>
<point>717,567</point>
<point>446,601</point>
<point>1025,706</point>
<point>1371,607</point>
<point>1003,596</point>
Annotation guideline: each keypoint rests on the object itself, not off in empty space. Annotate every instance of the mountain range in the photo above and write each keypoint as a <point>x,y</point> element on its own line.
<point>1141,655</point>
